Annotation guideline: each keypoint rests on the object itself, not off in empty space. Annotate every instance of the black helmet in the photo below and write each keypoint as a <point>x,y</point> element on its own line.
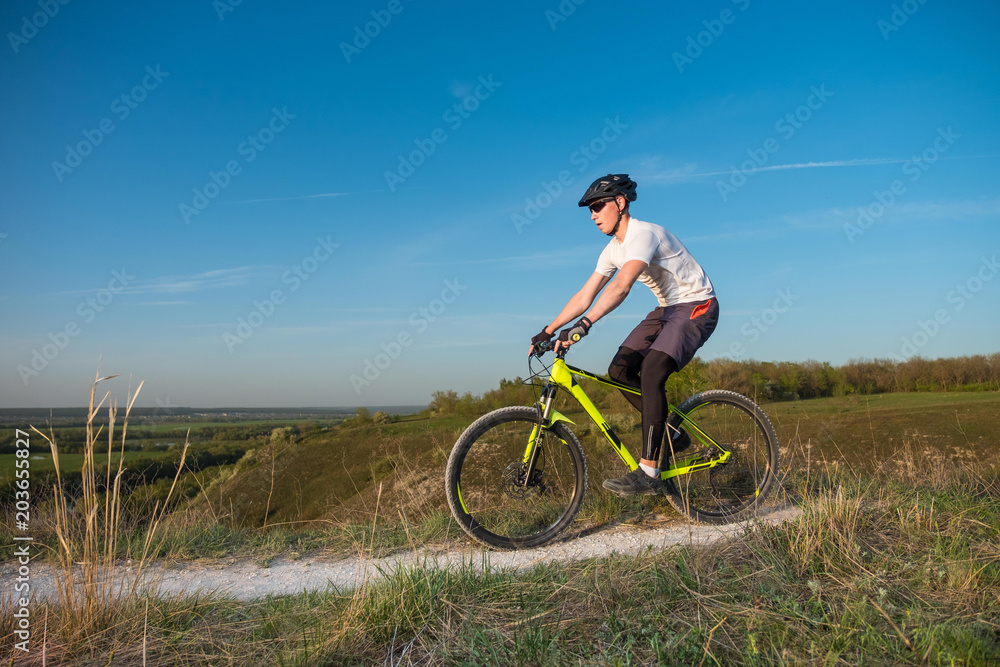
<point>611,185</point>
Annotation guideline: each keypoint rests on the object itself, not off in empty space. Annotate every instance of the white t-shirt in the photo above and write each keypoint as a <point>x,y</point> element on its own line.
<point>673,274</point>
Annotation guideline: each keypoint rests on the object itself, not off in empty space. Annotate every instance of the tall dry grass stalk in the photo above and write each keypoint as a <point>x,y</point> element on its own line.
<point>95,586</point>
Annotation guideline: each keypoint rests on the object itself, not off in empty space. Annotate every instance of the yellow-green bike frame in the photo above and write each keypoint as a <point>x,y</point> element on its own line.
<point>563,375</point>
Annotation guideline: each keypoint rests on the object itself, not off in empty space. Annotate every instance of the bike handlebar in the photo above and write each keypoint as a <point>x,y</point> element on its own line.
<point>543,347</point>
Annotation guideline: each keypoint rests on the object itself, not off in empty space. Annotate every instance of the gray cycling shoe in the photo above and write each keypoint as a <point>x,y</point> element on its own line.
<point>635,483</point>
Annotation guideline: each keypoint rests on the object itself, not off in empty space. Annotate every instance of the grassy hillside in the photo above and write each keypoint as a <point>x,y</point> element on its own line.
<point>348,474</point>
<point>894,560</point>
<point>333,475</point>
<point>878,571</point>
<point>323,487</point>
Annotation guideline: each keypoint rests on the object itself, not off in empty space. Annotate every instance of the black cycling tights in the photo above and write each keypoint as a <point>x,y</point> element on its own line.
<point>648,374</point>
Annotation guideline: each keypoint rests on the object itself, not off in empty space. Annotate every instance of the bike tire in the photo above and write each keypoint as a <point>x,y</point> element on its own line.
<point>731,491</point>
<point>485,461</point>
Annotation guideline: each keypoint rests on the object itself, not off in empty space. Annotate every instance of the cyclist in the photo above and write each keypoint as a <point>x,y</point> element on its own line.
<point>665,341</point>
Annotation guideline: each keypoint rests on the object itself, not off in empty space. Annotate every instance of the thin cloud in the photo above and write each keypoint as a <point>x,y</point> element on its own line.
<point>214,279</point>
<point>324,195</point>
<point>689,171</point>
<point>460,89</point>
<point>862,162</point>
<point>544,258</point>
<point>927,211</point>
<point>954,212</point>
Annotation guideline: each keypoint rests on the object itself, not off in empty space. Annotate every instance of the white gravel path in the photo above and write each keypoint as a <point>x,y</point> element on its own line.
<point>246,580</point>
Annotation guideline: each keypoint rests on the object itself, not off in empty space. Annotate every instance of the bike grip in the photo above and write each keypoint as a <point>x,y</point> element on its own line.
<point>576,338</point>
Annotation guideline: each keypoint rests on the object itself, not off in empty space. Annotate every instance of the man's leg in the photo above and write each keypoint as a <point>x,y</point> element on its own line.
<point>682,329</point>
<point>629,367</point>
<point>626,365</point>
<point>624,368</point>
<point>686,327</point>
<point>656,368</point>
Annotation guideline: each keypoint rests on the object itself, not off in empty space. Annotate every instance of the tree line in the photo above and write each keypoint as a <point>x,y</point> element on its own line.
<point>770,381</point>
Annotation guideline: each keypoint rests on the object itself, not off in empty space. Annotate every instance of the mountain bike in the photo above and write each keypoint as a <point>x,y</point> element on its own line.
<point>517,477</point>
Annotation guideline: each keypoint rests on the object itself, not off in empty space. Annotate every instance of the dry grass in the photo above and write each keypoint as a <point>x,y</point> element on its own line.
<point>95,585</point>
<point>894,561</point>
<point>876,571</point>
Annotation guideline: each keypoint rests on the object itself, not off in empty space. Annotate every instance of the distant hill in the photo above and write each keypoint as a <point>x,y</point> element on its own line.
<point>139,415</point>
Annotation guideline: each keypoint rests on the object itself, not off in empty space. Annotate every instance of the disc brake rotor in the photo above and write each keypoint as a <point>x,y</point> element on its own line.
<point>513,481</point>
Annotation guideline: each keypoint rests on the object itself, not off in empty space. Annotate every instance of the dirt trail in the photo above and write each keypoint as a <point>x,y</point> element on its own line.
<point>246,580</point>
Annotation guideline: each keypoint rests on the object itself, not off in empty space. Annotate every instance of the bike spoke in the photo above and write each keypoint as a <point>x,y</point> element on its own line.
<point>504,504</point>
<point>727,490</point>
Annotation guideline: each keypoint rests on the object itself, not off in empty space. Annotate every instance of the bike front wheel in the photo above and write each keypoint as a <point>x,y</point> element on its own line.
<point>493,496</point>
<point>732,490</point>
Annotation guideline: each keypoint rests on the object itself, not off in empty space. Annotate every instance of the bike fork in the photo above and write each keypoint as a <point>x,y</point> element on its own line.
<point>544,409</point>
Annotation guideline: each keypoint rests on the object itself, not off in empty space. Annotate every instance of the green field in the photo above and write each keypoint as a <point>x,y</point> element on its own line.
<point>182,427</point>
<point>67,462</point>
<point>858,429</point>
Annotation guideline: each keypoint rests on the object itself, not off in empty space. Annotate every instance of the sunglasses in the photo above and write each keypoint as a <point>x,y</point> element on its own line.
<point>598,206</point>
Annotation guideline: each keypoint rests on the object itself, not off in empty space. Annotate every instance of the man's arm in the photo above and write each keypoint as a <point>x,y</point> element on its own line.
<point>580,301</point>
<point>575,306</point>
<point>619,288</point>
<point>612,297</point>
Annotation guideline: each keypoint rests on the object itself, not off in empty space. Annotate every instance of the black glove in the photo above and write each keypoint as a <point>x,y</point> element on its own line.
<point>539,343</point>
<point>577,331</point>
<point>543,337</point>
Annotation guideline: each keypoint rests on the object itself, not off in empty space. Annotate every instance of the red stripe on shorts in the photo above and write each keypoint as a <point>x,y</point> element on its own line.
<point>701,309</point>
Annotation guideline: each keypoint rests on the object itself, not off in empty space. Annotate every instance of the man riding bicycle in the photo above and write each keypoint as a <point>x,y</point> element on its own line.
<point>665,341</point>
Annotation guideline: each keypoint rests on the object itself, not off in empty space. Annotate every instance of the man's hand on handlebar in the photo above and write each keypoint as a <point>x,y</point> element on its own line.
<point>573,334</point>
<point>542,342</point>
<point>539,343</point>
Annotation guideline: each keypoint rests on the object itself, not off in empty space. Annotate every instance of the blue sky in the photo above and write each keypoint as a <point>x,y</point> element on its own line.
<point>250,204</point>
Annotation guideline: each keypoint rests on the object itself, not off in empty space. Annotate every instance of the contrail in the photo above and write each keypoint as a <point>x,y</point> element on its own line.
<point>319,196</point>
<point>861,162</point>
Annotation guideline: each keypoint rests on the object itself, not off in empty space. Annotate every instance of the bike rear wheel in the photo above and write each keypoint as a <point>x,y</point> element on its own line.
<point>733,490</point>
<point>489,493</point>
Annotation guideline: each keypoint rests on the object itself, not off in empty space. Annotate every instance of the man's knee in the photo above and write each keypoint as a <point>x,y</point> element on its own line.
<point>625,366</point>
<point>656,368</point>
